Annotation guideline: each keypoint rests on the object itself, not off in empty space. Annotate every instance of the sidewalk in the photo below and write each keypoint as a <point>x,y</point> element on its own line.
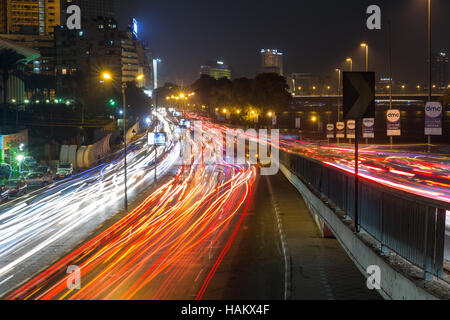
<point>320,267</point>
<point>254,266</point>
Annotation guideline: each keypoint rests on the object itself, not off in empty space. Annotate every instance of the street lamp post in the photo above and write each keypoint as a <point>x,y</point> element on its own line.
<point>106,76</point>
<point>429,65</point>
<point>124,96</point>
<point>391,138</point>
<point>365,45</point>
<point>350,60</point>
<point>339,97</point>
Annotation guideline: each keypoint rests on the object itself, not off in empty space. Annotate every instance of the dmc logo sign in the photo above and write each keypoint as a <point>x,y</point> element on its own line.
<point>433,110</point>
<point>351,125</point>
<point>330,127</point>
<point>340,126</point>
<point>393,115</point>
<point>369,122</point>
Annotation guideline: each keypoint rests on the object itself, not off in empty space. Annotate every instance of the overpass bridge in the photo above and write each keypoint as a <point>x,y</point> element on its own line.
<point>331,99</point>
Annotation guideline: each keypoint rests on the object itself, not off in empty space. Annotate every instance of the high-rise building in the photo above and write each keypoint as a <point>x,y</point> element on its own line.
<point>97,47</point>
<point>16,87</point>
<point>271,61</point>
<point>90,8</point>
<point>32,23</point>
<point>100,46</point>
<point>31,17</point>
<point>439,69</point>
<point>135,60</point>
<point>216,70</point>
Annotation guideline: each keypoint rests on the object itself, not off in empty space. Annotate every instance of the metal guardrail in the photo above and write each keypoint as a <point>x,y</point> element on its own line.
<point>409,225</point>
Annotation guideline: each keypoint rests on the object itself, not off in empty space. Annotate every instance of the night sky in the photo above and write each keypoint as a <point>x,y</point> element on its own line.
<point>315,36</point>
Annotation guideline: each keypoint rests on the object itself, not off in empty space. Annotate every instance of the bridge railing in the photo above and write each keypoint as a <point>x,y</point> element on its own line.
<point>407,224</point>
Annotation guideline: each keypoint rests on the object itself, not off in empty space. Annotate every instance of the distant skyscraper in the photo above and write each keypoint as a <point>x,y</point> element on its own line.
<point>29,17</point>
<point>217,70</point>
<point>439,69</point>
<point>271,61</point>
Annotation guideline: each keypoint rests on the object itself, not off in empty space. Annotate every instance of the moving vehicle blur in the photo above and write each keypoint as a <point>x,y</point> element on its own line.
<point>37,179</point>
<point>17,187</point>
<point>64,170</point>
<point>4,193</point>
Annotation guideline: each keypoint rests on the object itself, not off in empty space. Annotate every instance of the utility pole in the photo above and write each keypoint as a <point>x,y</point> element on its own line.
<point>339,98</point>
<point>429,65</point>
<point>124,87</point>
<point>156,129</point>
<point>391,138</point>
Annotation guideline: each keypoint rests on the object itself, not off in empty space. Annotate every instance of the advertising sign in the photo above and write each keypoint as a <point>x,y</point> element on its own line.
<point>433,119</point>
<point>274,120</point>
<point>351,132</point>
<point>156,138</point>
<point>11,140</point>
<point>393,123</point>
<point>330,131</point>
<point>297,123</point>
<point>185,123</point>
<point>340,130</point>
<point>368,128</point>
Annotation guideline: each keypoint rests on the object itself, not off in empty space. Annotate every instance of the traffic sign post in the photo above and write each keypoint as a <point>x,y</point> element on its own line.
<point>351,130</point>
<point>433,121</point>
<point>393,118</point>
<point>340,130</point>
<point>359,103</point>
<point>156,139</point>
<point>330,132</point>
<point>368,129</point>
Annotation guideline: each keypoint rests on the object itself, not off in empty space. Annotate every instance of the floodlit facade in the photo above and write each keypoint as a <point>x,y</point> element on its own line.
<point>271,61</point>
<point>29,16</point>
<point>216,70</point>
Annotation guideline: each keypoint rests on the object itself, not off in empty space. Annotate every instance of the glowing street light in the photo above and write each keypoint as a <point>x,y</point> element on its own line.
<point>365,45</point>
<point>350,60</point>
<point>106,76</point>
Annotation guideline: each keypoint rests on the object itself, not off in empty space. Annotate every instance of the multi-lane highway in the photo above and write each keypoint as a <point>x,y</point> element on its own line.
<point>36,229</point>
<point>173,242</point>
<point>181,231</point>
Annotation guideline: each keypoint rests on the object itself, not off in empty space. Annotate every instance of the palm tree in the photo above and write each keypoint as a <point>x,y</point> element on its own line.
<point>11,63</point>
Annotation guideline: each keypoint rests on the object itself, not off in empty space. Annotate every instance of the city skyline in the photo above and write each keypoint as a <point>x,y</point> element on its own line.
<point>246,151</point>
<point>305,32</point>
